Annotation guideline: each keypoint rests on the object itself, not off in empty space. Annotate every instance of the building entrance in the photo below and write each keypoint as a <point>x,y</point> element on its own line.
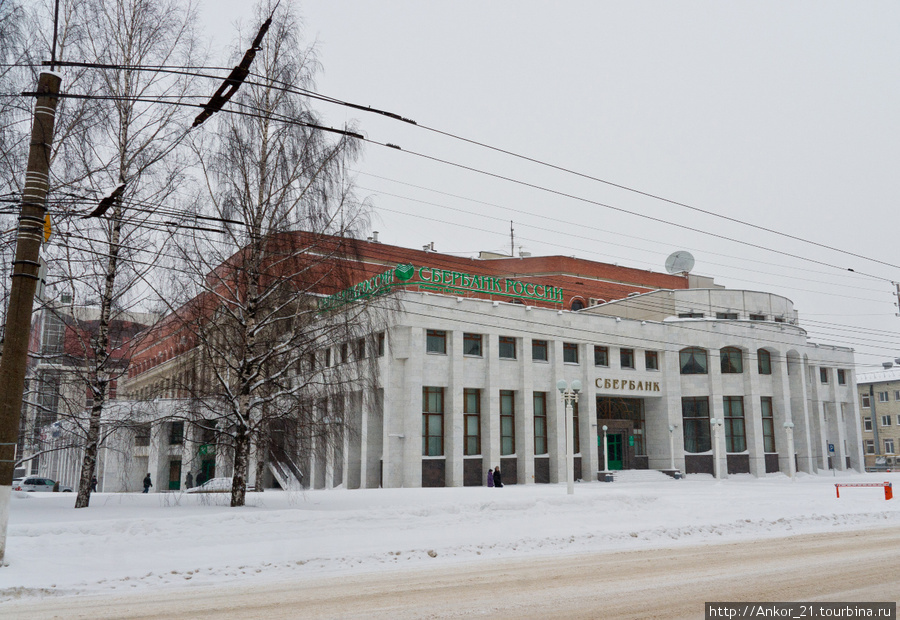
<point>614,451</point>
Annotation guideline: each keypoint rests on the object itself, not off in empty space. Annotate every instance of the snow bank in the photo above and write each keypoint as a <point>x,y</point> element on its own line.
<point>135,541</point>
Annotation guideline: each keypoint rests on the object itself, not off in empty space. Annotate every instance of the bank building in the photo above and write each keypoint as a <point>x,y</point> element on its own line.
<point>677,373</point>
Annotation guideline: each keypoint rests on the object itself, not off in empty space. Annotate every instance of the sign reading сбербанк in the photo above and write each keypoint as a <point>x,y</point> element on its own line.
<point>442,281</point>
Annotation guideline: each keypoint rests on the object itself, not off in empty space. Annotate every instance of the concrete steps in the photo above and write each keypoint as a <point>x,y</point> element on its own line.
<point>639,475</point>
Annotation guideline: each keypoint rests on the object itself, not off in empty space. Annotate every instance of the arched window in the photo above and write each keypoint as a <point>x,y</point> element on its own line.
<point>577,304</point>
<point>732,362</point>
<point>764,361</point>
<point>693,361</point>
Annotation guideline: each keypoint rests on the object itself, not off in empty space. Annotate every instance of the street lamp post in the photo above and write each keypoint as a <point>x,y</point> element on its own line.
<point>605,450</point>
<point>716,425</point>
<point>672,428</point>
<point>570,397</point>
<point>789,431</point>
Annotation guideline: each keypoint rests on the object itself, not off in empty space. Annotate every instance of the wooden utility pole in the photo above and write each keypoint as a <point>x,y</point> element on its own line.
<point>24,282</point>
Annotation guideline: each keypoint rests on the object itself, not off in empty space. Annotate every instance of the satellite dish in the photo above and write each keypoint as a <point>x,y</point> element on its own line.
<point>680,262</point>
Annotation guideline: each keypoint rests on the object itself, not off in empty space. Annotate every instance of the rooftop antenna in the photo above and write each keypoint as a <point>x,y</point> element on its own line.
<point>680,262</point>
<point>512,240</point>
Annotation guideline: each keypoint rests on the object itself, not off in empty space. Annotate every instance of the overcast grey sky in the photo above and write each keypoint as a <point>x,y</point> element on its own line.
<point>783,114</point>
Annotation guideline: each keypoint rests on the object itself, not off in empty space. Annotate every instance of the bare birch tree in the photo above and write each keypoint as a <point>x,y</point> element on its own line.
<point>271,172</point>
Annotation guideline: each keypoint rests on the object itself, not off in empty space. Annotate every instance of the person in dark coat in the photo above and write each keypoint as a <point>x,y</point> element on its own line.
<point>189,481</point>
<point>201,478</point>
<point>147,484</point>
<point>93,484</point>
<point>490,477</point>
<point>498,482</point>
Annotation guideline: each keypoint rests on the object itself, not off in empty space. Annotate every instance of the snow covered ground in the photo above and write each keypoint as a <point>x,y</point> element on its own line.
<point>133,542</point>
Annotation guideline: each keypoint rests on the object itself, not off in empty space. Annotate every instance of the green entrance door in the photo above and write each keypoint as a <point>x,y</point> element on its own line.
<point>614,451</point>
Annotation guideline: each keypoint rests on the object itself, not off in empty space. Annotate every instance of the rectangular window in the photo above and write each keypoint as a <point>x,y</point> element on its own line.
<point>768,424</point>
<point>870,446</point>
<point>328,357</point>
<point>867,424</point>
<point>731,361</point>
<point>472,344</point>
<point>866,403</point>
<point>142,435</point>
<point>361,349</point>
<point>651,360</point>
<point>882,397</point>
<point>570,353</point>
<point>888,446</point>
<point>764,362</point>
<point>432,421</point>
<point>507,348</point>
<point>540,423</point>
<point>757,317</point>
<point>885,420</point>
<point>726,315</point>
<point>693,361</point>
<point>576,438</point>
<point>735,437</point>
<point>472,420</point>
<point>539,351</point>
<point>690,315</point>
<point>695,418</point>
<point>842,376</point>
<point>176,433</point>
<point>379,341</point>
<point>436,341</point>
<point>626,358</point>
<point>896,394</point>
<point>823,375</point>
<point>507,422</point>
<point>601,356</point>
<point>345,352</point>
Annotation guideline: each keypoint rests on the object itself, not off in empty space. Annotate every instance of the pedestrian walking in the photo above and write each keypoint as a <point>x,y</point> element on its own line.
<point>498,481</point>
<point>147,483</point>
<point>189,481</point>
<point>490,476</point>
<point>93,484</point>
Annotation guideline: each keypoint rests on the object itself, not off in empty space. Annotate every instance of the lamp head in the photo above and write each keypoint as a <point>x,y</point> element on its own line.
<point>605,428</point>
<point>789,425</point>
<point>561,385</point>
<point>576,386</point>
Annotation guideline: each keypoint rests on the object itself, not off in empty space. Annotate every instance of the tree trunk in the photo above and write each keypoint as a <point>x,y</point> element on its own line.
<point>261,458</point>
<point>241,466</point>
<point>89,463</point>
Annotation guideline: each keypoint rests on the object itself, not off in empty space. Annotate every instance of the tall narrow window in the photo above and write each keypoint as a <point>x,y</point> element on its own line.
<point>842,380</point>
<point>576,438</point>
<point>472,344</point>
<point>432,421</point>
<point>651,360</point>
<point>764,362</point>
<point>361,349</point>
<point>436,341</point>
<point>867,424</point>
<point>823,375</point>
<point>731,361</point>
<point>626,358</point>
<point>507,422</point>
<point>601,356</point>
<point>768,424</point>
<point>866,401</point>
<point>570,353</point>
<point>472,420</point>
<point>735,437</point>
<point>695,418</point>
<point>379,343</point>
<point>693,361</point>
<point>345,352</point>
<point>507,348</point>
<point>539,350</point>
<point>540,423</point>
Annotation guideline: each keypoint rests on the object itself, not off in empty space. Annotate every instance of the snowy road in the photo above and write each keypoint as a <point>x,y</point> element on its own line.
<point>654,583</point>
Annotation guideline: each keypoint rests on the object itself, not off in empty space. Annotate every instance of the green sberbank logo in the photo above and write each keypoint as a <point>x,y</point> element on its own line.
<point>404,273</point>
<point>445,281</point>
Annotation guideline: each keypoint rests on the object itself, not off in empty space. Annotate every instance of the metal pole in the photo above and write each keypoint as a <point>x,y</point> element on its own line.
<point>24,282</point>
<point>715,447</point>
<point>569,397</point>
<point>605,450</point>
<point>672,447</point>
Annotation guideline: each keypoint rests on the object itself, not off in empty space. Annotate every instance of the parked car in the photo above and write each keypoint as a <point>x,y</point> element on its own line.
<point>33,484</point>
